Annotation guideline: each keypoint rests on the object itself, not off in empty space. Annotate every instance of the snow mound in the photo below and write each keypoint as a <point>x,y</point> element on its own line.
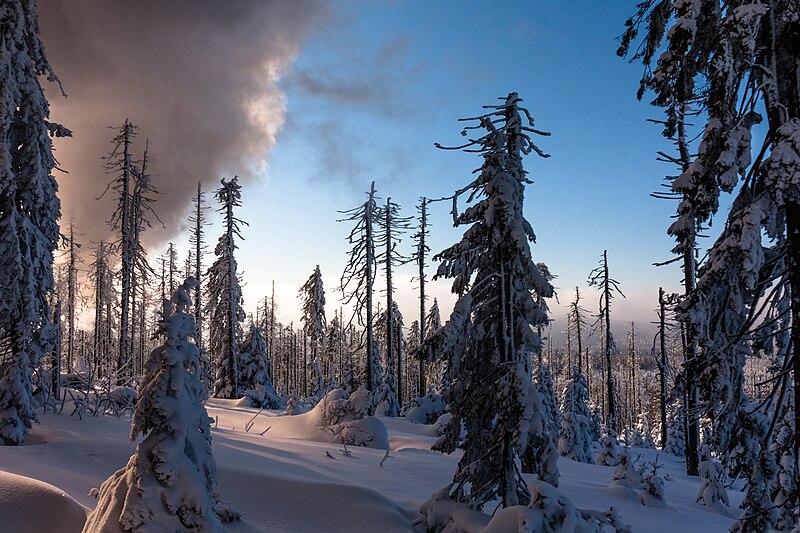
<point>31,506</point>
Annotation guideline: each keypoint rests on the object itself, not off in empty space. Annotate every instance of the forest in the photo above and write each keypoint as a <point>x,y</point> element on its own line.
<point>501,418</point>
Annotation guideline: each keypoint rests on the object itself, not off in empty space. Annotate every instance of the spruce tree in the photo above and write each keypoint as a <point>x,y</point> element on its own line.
<point>225,295</point>
<point>491,331</point>
<point>313,296</point>
<point>170,482</point>
<point>29,213</point>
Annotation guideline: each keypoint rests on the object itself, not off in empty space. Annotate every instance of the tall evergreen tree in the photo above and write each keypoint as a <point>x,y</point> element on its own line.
<point>600,278</point>
<point>313,296</point>
<point>391,227</point>
<point>170,482</point>
<point>732,61</point>
<point>29,213</point>
<point>197,222</point>
<point>491,331</point>
<point>225,295</point>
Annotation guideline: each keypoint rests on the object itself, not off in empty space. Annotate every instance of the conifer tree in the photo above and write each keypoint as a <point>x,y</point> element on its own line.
<point>254,370</point>
<point>225,295</point>
<point>575,435</point>
<point>197,221</point>
<point>358,278</point>
<point>600,278</point>
<point>29,213</point>
<point>732,62</point>
<point>313,296</point>
<point>170,482</point>
<point>421,251</point>
<point>491,331</point>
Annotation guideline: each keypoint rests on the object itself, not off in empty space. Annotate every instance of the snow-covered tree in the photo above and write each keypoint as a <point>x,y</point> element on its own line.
<point>170,482</point>
<point>254,370</point>
<point>575,438</point>
<point>420,257</point>
<point>652,493</point>
<point>609,449</point>
<point>491,331</point>
<point>313,297</point>
<point>197,223</point>
<point>676,435</point>
<point>29,213</point>
<point>391,226</point>
<point>547,390</point>
<point>625,473</point>
<point>389,326</point>
<point>607,285</point>
<point>733,62</point>
<point>358,279</point>
<point>711,491</point>
<point>225,295</point>
<point>784,485</point>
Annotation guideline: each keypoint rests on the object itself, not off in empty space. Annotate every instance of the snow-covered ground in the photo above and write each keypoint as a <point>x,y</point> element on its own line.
<point>292,478</point>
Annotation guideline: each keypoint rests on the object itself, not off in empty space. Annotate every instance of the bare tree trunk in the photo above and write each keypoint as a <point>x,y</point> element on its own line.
<point>662,366</point>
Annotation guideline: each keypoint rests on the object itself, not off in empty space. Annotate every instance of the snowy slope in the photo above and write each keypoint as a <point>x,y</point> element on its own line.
<point>285,481</point>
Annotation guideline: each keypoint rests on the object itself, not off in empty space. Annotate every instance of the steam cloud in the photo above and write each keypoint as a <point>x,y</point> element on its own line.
<point>199,78</point>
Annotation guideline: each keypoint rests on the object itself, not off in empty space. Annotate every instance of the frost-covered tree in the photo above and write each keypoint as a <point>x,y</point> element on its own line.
<point>358,279</point>
<point>225,295</point>
<point>313,297</point>
<point>254,370</point>
<point>575,434</point>
<point>170,482</point>
<point>676,434</point>
<point>712,490</point>
<point>784,485</point>
<point>390,326</point>
<point>391,226</point>
<point>491,331</point>
<point>735,62</point>
<point>543,378</point>
<point>197,223</point>
<point>29,213</point>
<point>609,449</point>
<point>607,286</point>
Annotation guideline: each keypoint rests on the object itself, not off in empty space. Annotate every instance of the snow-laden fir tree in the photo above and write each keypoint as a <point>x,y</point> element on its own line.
<point>609,449</point>
<point>652,494</point>
<point>312,294</point>
<point>543,378</point>
<point>29,213</point>
<point>625,473</point>
<point>436,360</point>
<point>254,370</point>
<point>737,63</point>
<point>575,433</point>
<point>225,295</point>
<point>784,485</point>
<point>358,279</point>
<point>170,482</point>
<point>390,327</point>
<point>712,490</point>
<point>676,434</point>
<point>491,332</point>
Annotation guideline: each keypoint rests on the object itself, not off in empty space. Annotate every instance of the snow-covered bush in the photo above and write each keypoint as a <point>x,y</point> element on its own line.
<point>548,511</point>
<point>344,417</point>
<point>426,409</point>
<point>711,491</point>
<point>652,494</point>
<point>626,474</point>
<point>170,482</point>
<point>609,449</point>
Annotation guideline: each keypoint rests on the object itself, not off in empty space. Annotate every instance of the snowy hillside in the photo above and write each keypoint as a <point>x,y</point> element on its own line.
<point>290,479</point>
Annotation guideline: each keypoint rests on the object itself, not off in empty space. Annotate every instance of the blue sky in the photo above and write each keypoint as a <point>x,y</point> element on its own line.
<point>381,82</point>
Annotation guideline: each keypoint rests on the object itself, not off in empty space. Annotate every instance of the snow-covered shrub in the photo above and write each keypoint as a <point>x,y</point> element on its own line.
<point>426,409</point>
<point>345,417</point>
<point>609,449</point>
<point>626,474</point>
<point>652,494</point>
<point>711,491</point>
<point>441,423</point>
<point>549,511</point>
<point>170,482</point>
